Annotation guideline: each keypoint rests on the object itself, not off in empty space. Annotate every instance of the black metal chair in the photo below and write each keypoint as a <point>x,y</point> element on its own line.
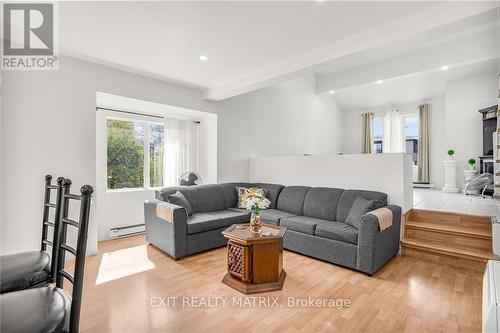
<point>32,269</point>
<point>51,309</point>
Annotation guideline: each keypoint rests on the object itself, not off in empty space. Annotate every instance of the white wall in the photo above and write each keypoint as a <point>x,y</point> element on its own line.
<point>48,126</point>
<point>464,131</point>
<point>125,207</point>
<point>286,119</point>
<point>388,173</point>
<point>352,133</point>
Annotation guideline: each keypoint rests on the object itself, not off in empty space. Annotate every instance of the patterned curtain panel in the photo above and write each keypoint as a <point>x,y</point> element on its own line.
<point>423,143</point>
<point>367,133</point>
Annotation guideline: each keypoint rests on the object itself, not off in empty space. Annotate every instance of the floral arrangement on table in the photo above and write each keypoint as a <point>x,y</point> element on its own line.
<point>256,202</point>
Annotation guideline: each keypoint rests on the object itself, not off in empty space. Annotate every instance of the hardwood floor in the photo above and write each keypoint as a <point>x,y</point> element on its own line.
<point>124,282</point>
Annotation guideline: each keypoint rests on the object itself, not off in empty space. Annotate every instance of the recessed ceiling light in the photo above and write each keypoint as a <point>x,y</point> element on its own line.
<point>331,92</point>
<point>203,57</point>
<point>379,82</point>
<point>444,68</point>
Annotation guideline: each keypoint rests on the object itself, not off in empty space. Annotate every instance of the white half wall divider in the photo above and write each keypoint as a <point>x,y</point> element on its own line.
<point>388,173</point>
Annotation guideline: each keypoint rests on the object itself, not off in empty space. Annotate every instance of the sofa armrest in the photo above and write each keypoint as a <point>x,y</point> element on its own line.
<point>167,231</point>
<point>376,247</point>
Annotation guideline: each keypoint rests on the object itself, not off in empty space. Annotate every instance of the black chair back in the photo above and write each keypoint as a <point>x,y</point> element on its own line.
<point>46,223</point>
<point>81,247</point>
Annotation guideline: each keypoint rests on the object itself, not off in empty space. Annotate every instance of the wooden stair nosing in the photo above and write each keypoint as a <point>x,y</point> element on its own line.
<point>447,229</point>
<point>448,250</point>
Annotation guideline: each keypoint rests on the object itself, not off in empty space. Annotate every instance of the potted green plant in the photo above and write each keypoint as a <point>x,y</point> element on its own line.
<point>451,152</point>
<point>472,163</point>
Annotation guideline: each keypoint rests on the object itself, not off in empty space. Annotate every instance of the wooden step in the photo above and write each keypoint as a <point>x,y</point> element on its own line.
<point>450,250</point>
<point>446,228</point>
<point>454,219</point>
<point>449,235</point>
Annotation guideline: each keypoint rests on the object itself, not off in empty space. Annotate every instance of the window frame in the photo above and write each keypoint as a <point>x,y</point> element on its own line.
<point>146,151</point>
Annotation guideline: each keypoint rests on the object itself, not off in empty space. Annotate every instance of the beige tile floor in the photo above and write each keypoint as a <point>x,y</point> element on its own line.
<point>455,202</point>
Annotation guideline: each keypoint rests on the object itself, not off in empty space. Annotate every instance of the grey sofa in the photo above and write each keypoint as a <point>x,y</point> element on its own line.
<point>314,218</point>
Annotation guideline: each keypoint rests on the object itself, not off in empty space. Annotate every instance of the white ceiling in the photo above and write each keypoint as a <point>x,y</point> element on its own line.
<point>166,38</point>
<point>407,89</point>
<point>253,44</point>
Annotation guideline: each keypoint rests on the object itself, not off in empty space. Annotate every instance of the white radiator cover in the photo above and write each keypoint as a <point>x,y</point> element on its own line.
<point>491,297</point>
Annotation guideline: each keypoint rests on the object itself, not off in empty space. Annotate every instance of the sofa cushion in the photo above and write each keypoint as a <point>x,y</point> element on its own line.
<point>321,203</point>
<point>273,216</point>
<point>348,197</point>
<point>359,208</point>
<point>180,200</point>
<point>200,222</point>
<point>229,190</point>
<point>189,193</point>
<point>291,199</point>
<point>161,194</point>
<point>337,231</point>
<point>272,192</point>
<point>229,217</point>
<point>208,198</point>
<point>303,224</point>
<point>239,210</point>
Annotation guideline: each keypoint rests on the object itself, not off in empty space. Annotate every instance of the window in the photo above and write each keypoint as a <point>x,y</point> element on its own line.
<point>411,137</point>
<point>135,151</point>
<point>378,135</point>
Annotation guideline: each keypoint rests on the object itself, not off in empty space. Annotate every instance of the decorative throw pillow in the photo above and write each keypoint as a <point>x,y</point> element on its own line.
<point>180,200</point>
<point>360,207</point>
<point>243,194</point>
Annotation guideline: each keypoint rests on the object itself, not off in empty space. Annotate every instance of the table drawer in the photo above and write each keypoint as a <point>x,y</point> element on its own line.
<point>238,260</point>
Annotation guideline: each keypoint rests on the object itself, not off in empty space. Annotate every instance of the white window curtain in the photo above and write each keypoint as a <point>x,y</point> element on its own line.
<point>181,149</point>
<point>394,136</point>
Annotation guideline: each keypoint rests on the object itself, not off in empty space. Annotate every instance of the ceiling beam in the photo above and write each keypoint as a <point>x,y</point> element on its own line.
<point>317,60</point>
<point>480,47</point>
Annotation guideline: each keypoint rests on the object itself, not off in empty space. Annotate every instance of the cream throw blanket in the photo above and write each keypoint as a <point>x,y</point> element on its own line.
<point>384,216</point>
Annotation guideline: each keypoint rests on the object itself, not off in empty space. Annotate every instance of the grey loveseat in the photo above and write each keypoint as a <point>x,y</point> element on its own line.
<point>314,217</point>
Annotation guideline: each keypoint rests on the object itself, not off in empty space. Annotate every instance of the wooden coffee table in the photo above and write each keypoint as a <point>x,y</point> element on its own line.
<point>254,261</point>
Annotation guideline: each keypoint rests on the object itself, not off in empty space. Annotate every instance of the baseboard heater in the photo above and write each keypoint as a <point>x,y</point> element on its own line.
<point>127,230</point>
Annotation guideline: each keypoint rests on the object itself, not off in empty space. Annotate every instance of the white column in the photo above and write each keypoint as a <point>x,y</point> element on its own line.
<point>450,168</point>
